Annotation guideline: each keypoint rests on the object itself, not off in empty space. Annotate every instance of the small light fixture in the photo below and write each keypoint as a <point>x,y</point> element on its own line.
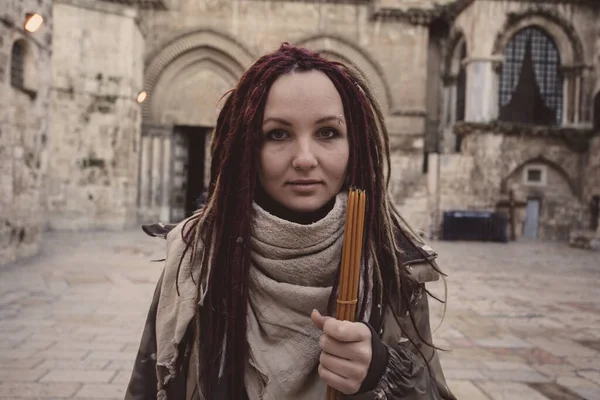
<point>33,22</point>
<point>141,97</point>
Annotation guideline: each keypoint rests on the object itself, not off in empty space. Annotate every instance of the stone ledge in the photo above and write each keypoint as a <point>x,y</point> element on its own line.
<point>577,139</point>
<point>143,4</point>
<point>422,16</point>
<point>587,240</point>
<point>357,2</point>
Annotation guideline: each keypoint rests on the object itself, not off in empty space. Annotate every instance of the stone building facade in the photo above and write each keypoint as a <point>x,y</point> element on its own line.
<point>530,99</point>
<point>97,70</point>
<point>444,72</point>
<point>25,83</point>
<point>482,98</point>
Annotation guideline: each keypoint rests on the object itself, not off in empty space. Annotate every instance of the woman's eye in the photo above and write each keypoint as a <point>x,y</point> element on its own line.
<point>277,134</point>
<point>328,133</point>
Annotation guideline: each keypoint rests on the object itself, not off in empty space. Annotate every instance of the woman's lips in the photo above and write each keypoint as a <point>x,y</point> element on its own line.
<point>304,186</point>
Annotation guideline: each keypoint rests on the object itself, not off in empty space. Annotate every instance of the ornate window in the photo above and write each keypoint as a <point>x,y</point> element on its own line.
<point>531,84</point>
<point>17,65</point>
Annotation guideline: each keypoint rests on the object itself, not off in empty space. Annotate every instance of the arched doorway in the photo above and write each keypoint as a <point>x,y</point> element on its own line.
<point>184,83</point>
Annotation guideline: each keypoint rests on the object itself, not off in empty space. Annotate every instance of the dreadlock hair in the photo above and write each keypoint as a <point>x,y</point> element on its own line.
<point>223,225</point>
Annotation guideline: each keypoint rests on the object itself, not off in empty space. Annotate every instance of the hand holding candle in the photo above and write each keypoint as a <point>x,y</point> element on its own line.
<point>346,353</point>
<point>346,339</point>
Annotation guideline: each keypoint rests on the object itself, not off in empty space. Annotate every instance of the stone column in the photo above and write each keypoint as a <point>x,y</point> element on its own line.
<point>449,114</point>
<point>156,175</point>
<point>451,110</point>
<point>146,147</point>
<point>482,90</point>
<point>165,207</point>
<point>207,159</point>
<point>577,99</point>
<point>572,95</point>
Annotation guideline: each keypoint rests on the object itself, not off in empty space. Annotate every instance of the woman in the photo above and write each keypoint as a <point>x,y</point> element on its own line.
<point>239,312</point>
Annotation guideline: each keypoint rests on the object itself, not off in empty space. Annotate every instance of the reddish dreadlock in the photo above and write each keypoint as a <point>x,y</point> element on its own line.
<point>224,224</point>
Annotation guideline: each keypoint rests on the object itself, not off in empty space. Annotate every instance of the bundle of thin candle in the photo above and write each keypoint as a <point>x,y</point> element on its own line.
<point>351,259</point>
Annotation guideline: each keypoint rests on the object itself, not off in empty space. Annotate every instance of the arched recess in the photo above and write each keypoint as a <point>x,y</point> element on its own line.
<point>358,59</point>
<point>562,32</point>
<point>17,64</point>
<point>23,67</point>
<point>455,85</point>
<point>544,161</point>
<point>570,49</point>
<point>181,60</point>
<point>333,55</point>
<point>531,83</point>
<point>190,87</point>
<point>456,78</point>
<point>553,207</point>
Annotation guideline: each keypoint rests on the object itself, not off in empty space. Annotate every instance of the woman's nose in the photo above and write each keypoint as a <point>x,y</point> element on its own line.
<point>304,157</point>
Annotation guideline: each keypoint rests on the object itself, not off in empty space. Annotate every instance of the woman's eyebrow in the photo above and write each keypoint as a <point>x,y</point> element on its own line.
<point>275,119</point>
<point>328,118</point>
<point>287,123</point>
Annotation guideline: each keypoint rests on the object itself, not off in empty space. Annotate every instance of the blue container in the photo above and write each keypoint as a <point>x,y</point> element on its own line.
<point>475,225</point>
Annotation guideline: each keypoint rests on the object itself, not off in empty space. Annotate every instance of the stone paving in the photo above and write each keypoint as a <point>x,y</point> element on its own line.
<point>522,322</point>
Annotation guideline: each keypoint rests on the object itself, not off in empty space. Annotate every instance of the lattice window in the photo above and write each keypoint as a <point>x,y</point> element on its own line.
<point>531,84</point>
<point>17,66</point>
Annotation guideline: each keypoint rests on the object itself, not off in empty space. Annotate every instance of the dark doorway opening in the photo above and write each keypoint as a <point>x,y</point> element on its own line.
<point>594,212</point>
<point>189,144</point>
<point>597,112</point>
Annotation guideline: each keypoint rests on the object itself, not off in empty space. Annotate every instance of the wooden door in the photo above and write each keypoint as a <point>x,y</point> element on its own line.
<point>532,219</point>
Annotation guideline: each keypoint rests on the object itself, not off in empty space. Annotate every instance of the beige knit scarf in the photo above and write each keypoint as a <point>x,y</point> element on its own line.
<point>293,270</point>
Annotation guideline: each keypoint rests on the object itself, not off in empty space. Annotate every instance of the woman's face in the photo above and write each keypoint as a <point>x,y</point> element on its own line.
<point>304,152</point>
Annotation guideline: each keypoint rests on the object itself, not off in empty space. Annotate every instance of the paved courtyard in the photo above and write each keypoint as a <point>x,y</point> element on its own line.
<point>522,322</point>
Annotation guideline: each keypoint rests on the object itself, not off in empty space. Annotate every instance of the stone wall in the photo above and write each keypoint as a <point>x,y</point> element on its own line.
<point>493,156</point>
<point>592,173</point>
<point>592,185</point>
<point>561,211</point>
<point>23,129</point>
<point>97,74</point>
<point>491,163</point>
<point>391,53</point>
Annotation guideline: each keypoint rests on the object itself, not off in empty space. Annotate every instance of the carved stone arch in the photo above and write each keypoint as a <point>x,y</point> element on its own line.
<point>542,160</point>
<point>221,49</point>
<point>560,30</point>
<point>359,59</point>
<point>453,47</point>
<point>334,55</point>
<point>190,87</point>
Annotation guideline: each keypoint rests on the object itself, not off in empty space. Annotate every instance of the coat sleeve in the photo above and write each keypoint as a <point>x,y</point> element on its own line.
<point>406,375</point>
<point>143,382</point>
